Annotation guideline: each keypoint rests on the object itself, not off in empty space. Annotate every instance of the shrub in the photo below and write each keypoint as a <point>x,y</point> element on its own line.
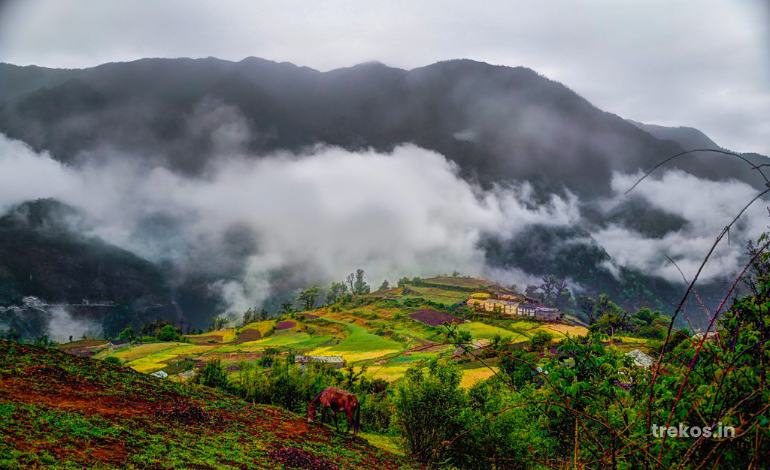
<point>540,340</point>
<point>213,375</point>
<point>127,334</point>
<point>376,412</point>
<point>112,360</point>
<point>168,333</point>
<point>429,410</point>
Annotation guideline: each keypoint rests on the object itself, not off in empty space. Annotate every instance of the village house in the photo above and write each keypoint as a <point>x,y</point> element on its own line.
<point>528,309</point>
<point>513,305</point>
<point>548,313</point>
<point>336,362</point>
<point>504,307</point>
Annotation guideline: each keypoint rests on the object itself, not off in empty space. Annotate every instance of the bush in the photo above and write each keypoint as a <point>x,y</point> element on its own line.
<point>283,383</point>
<point>168,333</point>
<point>127,334</point>
<point>213,375</point>
<point>429,410</point>
<point>540,341</point>
<point>376,412</point>
<point>112,360</point>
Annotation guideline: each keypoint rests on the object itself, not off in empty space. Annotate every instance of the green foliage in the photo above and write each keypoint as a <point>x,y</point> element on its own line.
<point>520,367</point>
<point>213,375</point>
<point>540,341</point>
<point>168,425</point>
<point>376,413</point>
<point>113,360</point>
<point>169,333</point>
<point>360,287</point>
<point>307,298</point>
<point>281,382</point>
<point>429,410</point>
<point>335,292</point>
<point>127,334</point>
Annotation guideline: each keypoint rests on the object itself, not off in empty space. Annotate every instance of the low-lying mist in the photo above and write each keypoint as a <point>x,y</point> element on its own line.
<point>328,211</point>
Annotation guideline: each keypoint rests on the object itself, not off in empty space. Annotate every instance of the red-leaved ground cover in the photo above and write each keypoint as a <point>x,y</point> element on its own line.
<point>434,317</point>
<point>285,325</point>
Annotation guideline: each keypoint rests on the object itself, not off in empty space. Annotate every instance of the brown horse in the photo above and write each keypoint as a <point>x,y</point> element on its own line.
<point>336,400</point>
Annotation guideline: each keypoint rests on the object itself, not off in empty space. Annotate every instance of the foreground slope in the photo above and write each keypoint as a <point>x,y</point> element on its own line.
<point>61,410</point>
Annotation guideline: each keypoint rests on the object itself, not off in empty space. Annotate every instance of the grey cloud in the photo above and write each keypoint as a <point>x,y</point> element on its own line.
<point>654,61</point>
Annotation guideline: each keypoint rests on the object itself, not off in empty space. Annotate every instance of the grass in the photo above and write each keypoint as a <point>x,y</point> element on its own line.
<point>153,357</point>
<point>286,339</point>
<point>62,411</point>
<point>468,283</point>
<point>481,330</point>
<point>262,326</point>
<point>438,295</point>
<point>348,330</point>
<point>360,345</point>
<point>384,441</point>
<point>475,375</point>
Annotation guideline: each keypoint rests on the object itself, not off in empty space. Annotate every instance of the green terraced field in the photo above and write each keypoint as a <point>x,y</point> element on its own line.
<point>375,331</point>
<point>438,295</point>
<point>360,345</point>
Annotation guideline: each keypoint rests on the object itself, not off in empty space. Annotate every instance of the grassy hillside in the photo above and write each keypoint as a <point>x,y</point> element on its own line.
<point>375,331</point>
<point>59,410</point>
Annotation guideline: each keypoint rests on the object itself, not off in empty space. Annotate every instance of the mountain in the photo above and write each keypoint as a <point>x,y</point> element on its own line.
<point>44,254</point>
<point>497,123</point>
<point>687,137</point>
<point>690,138</point>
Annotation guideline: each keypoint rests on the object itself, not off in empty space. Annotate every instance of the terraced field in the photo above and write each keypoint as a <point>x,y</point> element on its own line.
<point>376,332</point>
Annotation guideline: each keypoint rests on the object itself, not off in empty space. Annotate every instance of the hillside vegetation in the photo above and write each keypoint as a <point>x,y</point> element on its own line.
<point>58,410</point>
<point>374,330</point>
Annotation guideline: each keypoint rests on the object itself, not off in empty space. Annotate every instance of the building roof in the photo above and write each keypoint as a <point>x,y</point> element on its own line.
<point>325,359</point>
<point>640,358</point>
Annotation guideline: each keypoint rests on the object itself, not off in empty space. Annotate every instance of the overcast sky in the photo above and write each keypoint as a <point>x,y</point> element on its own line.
<point>700,63</point>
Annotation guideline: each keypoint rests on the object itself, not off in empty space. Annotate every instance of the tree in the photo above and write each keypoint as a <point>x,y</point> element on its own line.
<point>519,365</point>
<point>213,375</point>
<point>533,292</point>
<point>350,281</point>
<point>250,316</point>
<point>610,317</point>
<point>540,340</point>
<point>308,297</point>
<point>335,292</point>
<point>168,333</point>
<point>587,306</point>
<point>351,376</point>
<point>12,334</point>
<point>384,286</point>
<point>360,287</point>
<point>429,410</point>
<point>554,290</point>
<point>127,334</point>
<point>217,323</point>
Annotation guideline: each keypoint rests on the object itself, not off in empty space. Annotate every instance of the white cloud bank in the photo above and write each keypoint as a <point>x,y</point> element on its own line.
<point>707,206</point>
<point>327,213</point>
